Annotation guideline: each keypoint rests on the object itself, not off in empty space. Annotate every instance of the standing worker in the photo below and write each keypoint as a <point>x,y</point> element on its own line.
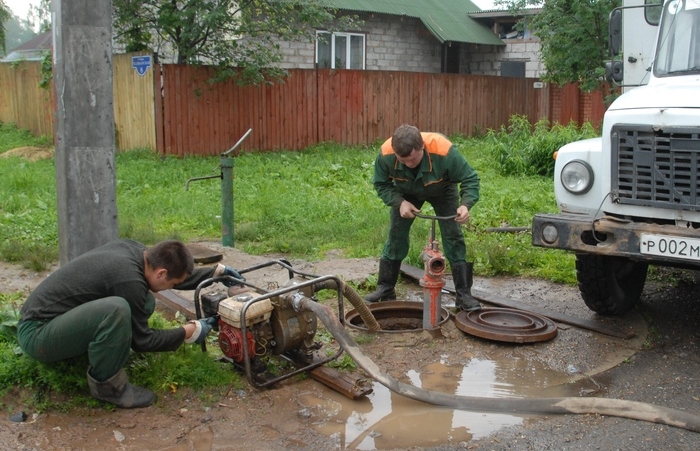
<point>99,304</point>
<point>413,168</point>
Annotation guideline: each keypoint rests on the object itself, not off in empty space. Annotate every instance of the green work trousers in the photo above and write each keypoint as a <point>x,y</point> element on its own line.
<point>101,329</point>
<point>397,243</point>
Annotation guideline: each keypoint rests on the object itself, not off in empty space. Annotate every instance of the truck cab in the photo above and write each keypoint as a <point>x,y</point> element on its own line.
<point>631,198</point>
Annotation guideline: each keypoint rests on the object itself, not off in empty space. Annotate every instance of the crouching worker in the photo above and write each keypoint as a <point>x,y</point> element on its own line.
<point>99,304</point>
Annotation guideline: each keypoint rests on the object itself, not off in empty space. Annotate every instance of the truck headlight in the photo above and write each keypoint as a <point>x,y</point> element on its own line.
<point>577,177</point>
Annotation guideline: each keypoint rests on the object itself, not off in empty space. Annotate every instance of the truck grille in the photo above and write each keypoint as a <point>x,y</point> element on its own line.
<point>656,168</point>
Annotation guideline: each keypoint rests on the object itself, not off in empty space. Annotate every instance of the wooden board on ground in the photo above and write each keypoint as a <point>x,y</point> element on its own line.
<point>176,302</point>
<point>417,273</point>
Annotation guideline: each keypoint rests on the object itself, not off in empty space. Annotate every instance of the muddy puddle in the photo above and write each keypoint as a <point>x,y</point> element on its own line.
<point>385,420</point>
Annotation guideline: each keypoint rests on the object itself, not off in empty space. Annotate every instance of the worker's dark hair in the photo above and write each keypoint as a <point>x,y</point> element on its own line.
<point>173,256</point>
<point>406,138</point>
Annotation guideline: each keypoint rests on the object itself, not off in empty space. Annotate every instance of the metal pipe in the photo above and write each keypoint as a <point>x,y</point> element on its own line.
<point>227,201</point>
<point>240,141</point>
<point>598,406</point>
<point>227,193</point>
<point>206,177</point>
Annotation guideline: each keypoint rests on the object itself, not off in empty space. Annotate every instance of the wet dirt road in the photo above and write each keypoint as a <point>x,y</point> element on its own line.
<point>664,371</point>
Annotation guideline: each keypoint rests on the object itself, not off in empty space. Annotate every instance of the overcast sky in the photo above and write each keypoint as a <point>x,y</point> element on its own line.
<point>21,7</point>
<point>484,4</point>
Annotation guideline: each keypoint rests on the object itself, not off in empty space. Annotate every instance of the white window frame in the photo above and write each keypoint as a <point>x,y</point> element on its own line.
<point>331,37</point>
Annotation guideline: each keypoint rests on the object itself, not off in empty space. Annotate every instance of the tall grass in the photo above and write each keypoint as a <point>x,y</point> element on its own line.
<point>524,148</point>
<point>28,232</point>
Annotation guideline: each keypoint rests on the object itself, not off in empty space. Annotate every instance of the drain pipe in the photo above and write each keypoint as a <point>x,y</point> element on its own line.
<point>600,406</point>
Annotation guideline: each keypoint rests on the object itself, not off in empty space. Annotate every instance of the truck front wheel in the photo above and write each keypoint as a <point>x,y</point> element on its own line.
<point>609,285</point>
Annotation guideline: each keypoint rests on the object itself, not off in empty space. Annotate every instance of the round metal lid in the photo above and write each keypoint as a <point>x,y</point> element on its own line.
<point>508,325</point>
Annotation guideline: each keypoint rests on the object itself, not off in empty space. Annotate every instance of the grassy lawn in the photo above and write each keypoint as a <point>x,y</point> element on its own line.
<point>298,203</point>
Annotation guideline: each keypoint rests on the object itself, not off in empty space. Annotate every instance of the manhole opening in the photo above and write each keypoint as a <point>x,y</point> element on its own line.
<point>394,316</point>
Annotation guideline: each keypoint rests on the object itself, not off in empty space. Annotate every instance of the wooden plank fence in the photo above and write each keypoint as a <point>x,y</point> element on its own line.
<point>347,106</point>
<point>22,101</point>
<point>176,110</point>
<point>134,104</point>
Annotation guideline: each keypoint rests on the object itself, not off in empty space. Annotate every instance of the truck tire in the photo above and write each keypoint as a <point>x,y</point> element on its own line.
<point>610,285</point>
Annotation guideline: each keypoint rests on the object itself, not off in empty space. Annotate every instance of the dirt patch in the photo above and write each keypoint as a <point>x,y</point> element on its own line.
<point>305,415</point>
<point>29,153</point>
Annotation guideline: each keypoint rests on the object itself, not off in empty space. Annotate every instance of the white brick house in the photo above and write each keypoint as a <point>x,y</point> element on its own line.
<point>408,35</point>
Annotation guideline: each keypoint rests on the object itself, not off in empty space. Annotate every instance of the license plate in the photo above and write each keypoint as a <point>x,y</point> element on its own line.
<point>670,246</point>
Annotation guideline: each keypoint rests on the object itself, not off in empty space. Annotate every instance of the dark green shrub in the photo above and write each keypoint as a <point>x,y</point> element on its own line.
<point>525,149</point>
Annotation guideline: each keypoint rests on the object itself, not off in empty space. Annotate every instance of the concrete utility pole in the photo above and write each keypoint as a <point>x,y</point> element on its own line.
<point>85,142</point>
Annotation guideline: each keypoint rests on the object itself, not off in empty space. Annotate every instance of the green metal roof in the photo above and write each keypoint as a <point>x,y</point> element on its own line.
<point>447,20</point>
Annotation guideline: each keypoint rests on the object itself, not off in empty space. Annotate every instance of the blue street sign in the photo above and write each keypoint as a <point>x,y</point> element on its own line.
<point>141,64</point>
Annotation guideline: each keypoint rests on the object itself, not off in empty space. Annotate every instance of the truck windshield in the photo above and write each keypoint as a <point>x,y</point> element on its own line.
<point>678,48</point>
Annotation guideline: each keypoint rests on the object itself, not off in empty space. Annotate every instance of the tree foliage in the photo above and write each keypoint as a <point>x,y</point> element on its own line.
<point>39,16</point>
<point>573,36</point>
<point>5,15</point>
<point>15,31</point>
<point>240,37</point>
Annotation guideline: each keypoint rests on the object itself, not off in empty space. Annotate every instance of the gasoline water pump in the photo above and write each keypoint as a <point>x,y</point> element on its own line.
<point>258,324</point>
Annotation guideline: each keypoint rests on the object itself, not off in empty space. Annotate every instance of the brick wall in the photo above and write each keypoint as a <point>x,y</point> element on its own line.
<point>405,44</point>
<point>392,43</point>
<point>486,59</point>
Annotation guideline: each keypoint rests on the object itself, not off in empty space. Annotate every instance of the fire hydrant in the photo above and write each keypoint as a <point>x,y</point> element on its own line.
<point>432,280</point>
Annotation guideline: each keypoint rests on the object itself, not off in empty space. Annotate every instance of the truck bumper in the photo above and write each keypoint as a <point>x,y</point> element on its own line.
<point>606,236</point>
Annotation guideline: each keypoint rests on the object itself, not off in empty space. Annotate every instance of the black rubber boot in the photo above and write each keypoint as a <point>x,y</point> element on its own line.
<point>118,391</point>
<point>463,278</point>
<point>386,281</point>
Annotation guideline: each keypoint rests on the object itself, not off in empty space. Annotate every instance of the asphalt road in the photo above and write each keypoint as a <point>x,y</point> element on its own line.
<point>665,372</point>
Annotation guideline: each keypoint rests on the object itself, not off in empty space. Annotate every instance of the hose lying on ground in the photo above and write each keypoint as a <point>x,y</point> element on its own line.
<point>601,406</point>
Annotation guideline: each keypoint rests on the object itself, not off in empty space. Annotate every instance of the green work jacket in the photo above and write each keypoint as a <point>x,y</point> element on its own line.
<point>441,169</point>
<point>114,269</point>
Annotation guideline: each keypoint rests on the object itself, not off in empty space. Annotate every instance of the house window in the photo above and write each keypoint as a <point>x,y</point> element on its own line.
<point>340,50</point>
<point>513,69</point>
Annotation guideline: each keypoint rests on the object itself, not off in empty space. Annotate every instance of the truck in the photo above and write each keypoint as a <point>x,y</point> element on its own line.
<point>631,198</point>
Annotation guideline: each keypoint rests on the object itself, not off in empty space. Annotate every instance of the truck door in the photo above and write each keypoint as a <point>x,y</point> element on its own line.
<point>639,28</point>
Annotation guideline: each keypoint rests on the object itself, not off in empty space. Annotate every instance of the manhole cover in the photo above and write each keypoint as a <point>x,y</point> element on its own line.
<point>509,325</point>
<point>394,316</point>
<point>203,254</point>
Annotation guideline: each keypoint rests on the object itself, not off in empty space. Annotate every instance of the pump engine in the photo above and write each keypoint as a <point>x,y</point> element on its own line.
<point>253,325</point>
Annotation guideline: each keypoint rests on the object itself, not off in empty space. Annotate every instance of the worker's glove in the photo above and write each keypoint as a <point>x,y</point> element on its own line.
<point>222,270</point>
<point>202,328</point>
<point>228,271</point>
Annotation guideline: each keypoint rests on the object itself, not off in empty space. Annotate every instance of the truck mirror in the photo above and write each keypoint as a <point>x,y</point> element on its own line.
<point>614,31</point>
<point>613,71</point>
